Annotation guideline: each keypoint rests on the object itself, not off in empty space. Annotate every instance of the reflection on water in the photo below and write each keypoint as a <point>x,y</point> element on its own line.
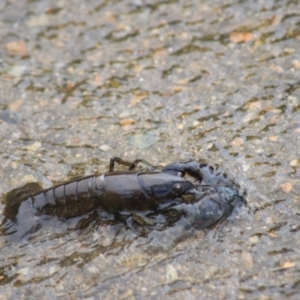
<point>164,81</point>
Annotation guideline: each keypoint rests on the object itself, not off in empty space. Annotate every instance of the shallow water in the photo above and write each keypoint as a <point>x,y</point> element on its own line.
<point>164,81</point>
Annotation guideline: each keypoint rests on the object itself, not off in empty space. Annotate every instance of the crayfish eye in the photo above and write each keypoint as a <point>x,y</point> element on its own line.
<point>177,188</point>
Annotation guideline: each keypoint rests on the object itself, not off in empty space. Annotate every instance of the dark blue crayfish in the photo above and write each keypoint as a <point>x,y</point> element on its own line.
<point>206,201</point>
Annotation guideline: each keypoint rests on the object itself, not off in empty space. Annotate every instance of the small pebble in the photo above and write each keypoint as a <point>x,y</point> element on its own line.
<point>171,274</point>
<point>17,70</point>
<point>142,140</point>
<point>254,239</point>
<point>294,163</point>
<point>23,271</point>
<point>34,147</point>
<point>246,260</point>
<point>54,269</point>
<point>104,148</point>
<point>93,269</point>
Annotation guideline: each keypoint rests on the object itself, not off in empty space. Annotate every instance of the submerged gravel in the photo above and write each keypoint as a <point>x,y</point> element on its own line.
<point>163,81</point>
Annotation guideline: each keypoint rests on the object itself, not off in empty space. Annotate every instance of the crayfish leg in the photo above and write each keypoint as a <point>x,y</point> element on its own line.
<point>119,160</point>
<point>132,165</point>
<point>144,162</point>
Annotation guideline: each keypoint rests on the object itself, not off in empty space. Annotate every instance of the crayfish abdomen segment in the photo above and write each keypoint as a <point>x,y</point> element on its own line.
<point>70,199</point>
